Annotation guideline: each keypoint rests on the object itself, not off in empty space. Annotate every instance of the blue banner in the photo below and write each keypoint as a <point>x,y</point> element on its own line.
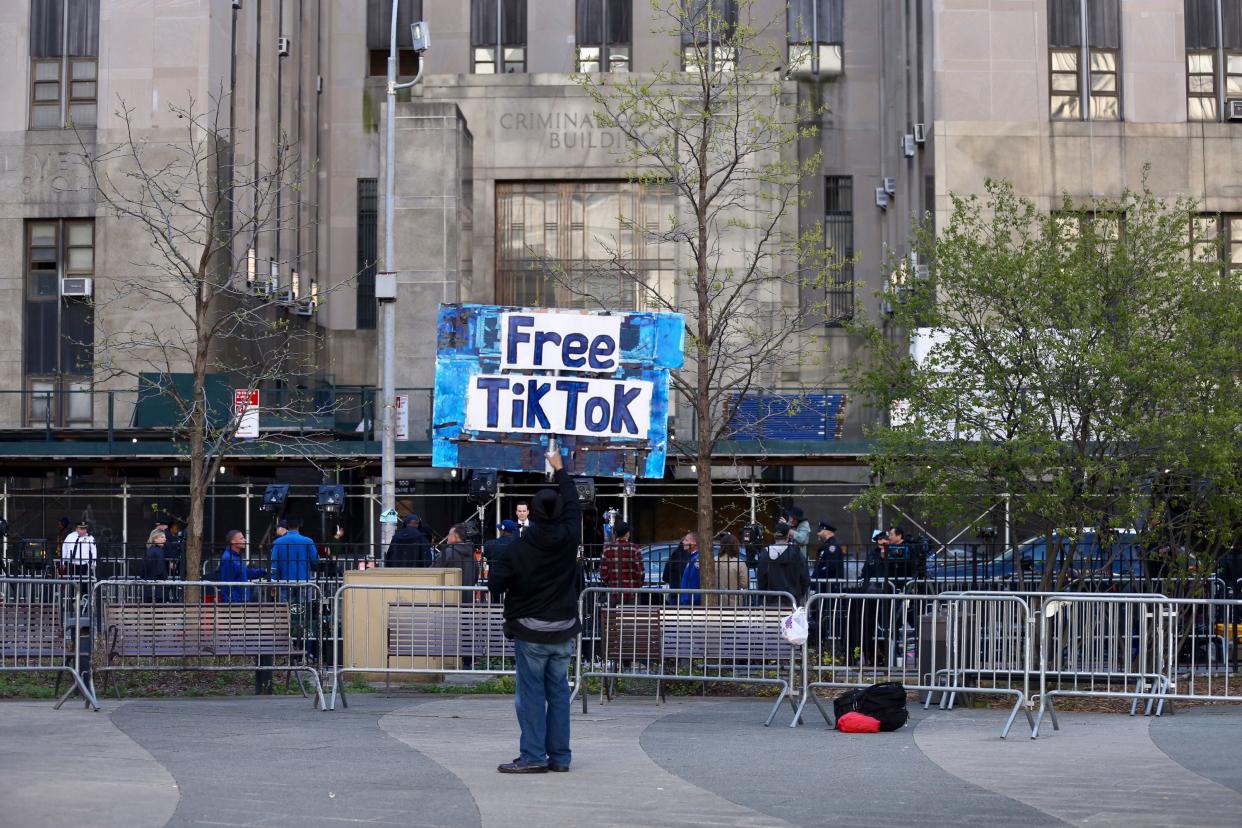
<point>509,378</point>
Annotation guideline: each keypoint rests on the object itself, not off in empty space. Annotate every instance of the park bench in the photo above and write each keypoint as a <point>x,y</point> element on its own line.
<point>184,636</point>
<point>30,633</point>
<point>446,631</point>
<point>193,631</point>
<point>632,633</point>
<point>723,638</point>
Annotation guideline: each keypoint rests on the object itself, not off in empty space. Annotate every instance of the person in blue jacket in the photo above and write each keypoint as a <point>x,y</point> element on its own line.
<point>293,554</point>
<point>233,568</point>
<point>691,579</point>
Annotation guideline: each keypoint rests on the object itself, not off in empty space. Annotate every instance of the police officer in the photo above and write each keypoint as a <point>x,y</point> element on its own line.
<point>830,564</point>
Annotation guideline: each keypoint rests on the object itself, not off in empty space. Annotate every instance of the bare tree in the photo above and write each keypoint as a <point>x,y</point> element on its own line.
<point>195,303</point>
<point>723,136</point>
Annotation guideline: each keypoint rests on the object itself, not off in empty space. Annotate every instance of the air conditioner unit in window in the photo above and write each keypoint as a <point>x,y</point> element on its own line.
<point>284,297</point>
<point>920,133</point>
<point>921,272</point>
<point>890,185</point>
<point>1235,110</point>
<point>282,46</point>
<point>261,288</point>
<point>907,145</point>
<point>881,198</point>
<point>75,286</point>
<point>304,307</point>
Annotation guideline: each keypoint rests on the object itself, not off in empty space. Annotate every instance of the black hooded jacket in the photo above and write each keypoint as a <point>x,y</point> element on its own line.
<point>787,573</point>
<point>538,574</point>
<point>409,547</point>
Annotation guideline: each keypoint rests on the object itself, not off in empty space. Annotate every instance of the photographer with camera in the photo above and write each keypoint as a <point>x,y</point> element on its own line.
<point>799,532</point>
<point>876,565</point>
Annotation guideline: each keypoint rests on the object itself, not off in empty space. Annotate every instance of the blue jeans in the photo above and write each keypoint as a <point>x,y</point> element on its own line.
<point>542,700</point>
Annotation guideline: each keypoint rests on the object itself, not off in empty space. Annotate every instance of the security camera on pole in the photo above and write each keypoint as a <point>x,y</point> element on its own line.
<point>386,282</point>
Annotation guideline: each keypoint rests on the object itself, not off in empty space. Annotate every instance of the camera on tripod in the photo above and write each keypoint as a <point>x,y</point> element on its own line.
<point>751,534</point>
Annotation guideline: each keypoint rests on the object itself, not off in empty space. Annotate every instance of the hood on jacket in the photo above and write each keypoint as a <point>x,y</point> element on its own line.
<point>408,533</point>
<point>780,552</point>
<point>545,505</point>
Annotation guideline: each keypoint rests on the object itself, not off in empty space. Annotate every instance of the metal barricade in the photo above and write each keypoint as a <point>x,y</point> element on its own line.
<point>1154,648</point>
<point>268,626</point>
<point>416,629</point>
<point>695,635</point>
<point>935,644</point>
<point>45,627</point>
<point>1207,639</point>
<point>845,585</point>
<point>1113,646</point>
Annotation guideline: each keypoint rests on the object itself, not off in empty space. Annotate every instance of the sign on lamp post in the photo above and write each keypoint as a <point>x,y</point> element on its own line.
<point>246,410</point>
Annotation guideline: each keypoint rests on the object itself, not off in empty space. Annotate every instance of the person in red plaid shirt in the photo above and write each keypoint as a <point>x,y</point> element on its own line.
<point>622,563</point>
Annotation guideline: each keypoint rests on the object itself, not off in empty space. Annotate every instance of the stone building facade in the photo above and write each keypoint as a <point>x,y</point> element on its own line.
<point>922,99</point>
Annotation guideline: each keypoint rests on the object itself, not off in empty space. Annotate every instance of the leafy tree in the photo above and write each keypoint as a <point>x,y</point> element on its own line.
<point>1083,361</point>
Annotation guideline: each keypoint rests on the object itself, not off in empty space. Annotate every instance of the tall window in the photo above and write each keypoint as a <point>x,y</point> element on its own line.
<point>368,253</point>
<point>59,334</point>
<point>583,243</point>
<point>64,46</point>
<point>814,30</point>
<point>839,236</point>
<point>706,27</point>
<point>1213,58</point>
<point>1218,237</point>
<point>498,36</point>
<point>379,33</point>
<point>603,35</point>
<point>1084,51</point>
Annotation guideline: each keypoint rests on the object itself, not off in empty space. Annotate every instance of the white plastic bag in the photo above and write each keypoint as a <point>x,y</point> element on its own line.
<point>794,628</point>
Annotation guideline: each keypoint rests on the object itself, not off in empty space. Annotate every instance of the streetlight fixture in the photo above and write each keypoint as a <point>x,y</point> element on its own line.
<point>386,282</point>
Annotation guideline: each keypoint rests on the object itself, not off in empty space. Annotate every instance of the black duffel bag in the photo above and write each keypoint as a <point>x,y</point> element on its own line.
<point>886,703</point>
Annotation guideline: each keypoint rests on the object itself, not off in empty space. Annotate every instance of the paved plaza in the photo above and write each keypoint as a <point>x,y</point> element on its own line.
<point>430,761</point>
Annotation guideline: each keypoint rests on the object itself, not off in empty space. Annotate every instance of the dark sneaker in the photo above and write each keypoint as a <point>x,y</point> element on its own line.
<point>518,766</point>
<point>557,767</point>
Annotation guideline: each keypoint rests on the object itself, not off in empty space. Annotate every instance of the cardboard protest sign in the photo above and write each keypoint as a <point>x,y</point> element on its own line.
<point>507,379</point>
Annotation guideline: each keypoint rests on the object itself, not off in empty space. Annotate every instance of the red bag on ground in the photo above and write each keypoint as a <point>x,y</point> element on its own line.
<point>857,723</point>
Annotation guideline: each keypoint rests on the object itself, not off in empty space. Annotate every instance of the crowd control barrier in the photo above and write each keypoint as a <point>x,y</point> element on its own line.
<point>1154,648</point>
<point>702,635</point>
<point>210,625</point>
<point>45,627</point>
<point>417,630</point>
<point>933,644</point>
<point>1105,646</point>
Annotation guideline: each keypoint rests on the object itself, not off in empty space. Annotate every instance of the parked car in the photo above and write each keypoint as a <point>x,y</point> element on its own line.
<point>1121,557</point>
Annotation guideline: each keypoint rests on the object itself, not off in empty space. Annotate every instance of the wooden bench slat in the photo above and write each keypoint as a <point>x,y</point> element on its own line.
<point>199,630</point>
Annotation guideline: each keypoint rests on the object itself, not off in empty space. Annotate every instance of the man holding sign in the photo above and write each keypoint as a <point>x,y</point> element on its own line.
<point>539,579</point>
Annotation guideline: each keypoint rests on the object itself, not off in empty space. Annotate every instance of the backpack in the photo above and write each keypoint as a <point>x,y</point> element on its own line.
<point>885,703</point>
<point>847,702</point>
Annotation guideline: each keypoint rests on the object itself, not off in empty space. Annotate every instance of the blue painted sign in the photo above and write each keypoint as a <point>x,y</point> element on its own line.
<point>507,379</point>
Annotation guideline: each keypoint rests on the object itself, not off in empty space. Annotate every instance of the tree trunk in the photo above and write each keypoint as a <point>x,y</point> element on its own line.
<point>706,532</point>
<point>194,526</point>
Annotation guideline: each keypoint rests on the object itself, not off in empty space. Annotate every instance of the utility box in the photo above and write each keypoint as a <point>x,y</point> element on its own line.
<point>385,287</point>
<point>364,616</point>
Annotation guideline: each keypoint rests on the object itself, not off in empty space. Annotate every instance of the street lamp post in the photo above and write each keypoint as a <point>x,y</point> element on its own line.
<point>387,297</point>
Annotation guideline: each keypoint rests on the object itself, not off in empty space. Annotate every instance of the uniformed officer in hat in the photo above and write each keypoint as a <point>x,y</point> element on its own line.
<point>830,564</point>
